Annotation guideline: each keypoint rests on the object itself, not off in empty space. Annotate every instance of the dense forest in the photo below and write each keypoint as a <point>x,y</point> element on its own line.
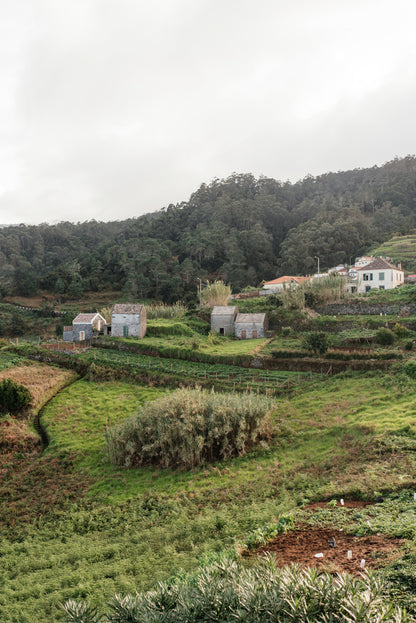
<point>240,229</point>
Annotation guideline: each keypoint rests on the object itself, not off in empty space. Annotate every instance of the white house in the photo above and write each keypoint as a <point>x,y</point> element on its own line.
<point>379,275</point>
<point>280,284</point>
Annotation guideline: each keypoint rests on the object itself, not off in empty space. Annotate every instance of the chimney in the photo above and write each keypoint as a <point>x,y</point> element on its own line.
<point>399,265</point>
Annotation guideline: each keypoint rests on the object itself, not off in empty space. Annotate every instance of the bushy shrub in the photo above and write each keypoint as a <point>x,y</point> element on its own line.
<point>385,337</point>
<point>189,427</point>
<point>410,368</point>
<point>228,591</point>
<point>13,397</point>
<point>317,342</point>
<point>409,345</point>
<point>400,330</point>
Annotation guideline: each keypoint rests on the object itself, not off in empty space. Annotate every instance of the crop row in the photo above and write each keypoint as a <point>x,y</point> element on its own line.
<point>193,370</point>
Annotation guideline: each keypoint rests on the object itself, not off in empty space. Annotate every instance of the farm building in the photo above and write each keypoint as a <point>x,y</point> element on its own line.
<point>222,319</point>
<point>227,321</point>
<point>84,326</point>
<point>128,320</point>
<point>250,326</point>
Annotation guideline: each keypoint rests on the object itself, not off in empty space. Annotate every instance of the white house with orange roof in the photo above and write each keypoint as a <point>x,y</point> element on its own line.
<point>280,284</point>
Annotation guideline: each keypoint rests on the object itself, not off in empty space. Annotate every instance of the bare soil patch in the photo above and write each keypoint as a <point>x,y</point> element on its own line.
<point>302,544</point>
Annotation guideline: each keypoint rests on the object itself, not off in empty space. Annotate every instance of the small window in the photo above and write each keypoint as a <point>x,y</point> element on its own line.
<point>371,276</point>
<point>365,277</point>
<point>381,287</point>
<point>221,330</point>
<point>381,276</point>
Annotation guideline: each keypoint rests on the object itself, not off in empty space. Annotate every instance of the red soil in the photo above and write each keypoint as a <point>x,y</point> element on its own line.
<point>304,542</point>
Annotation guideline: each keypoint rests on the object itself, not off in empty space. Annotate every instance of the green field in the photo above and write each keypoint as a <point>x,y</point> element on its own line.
<point>345,436</point>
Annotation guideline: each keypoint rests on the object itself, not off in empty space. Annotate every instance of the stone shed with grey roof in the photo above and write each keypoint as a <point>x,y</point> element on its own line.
<point>222,319</point>
<point>250,326</point>
<point>128,320</point>
<point>84,326</point>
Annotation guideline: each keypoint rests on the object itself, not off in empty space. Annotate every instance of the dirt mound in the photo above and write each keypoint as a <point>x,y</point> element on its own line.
<point>302,544</point>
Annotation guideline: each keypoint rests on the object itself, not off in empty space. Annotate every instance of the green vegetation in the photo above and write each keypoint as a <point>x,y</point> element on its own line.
<point>400,248</point>
<point>245,229</point>
<point>384,337</point>
<point>216,293</point>
<point>75,527</point>
<point>190,427</point>
<point>226,591</point>
<point>317,342</point>
<point>13,397</point>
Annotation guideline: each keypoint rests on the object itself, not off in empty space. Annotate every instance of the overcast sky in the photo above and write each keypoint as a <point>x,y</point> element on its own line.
<point>113,108</point>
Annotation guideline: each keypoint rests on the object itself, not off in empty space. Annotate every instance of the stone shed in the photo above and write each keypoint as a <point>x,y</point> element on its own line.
<point>84,326</point>
<point>222,319</point>
<point>128,320</point>
<point>250,326</point>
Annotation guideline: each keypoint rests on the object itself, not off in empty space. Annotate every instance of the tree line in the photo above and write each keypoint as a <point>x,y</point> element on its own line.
<point>240,229</point>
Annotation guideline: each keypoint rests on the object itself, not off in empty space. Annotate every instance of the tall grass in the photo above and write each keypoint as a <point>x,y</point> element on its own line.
<point>216,293</point>
<point>225,591</point>
<point>314,292</point>
<point>189,427</point>
<point>162,310</point>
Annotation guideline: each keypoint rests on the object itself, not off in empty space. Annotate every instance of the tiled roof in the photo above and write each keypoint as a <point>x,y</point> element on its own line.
<point>258,318</point>
<point>286,279</point>
<point>224,310</point>
<point>127,308</point>
<point>84,318</point>
<point>378,264</point>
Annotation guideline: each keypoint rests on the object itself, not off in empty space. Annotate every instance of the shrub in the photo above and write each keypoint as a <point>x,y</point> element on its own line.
<point>227,591</point>
<point>385,337</point>
<point>410,368</point>
<point>13,397</point>
<point>409,345</point>
<point>188,427</point>
<point>400,330</point>
<point>317,342</point>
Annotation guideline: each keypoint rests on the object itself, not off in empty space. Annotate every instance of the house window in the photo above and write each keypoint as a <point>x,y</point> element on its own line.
<point>381,276</point>
<point>365,277</point>
<point>371,276</point>
<point>125,331</point>
<point>381,288</point>
<point>367,288</point>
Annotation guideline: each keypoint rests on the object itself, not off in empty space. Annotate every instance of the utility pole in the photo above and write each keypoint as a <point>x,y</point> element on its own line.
<point>317,258</point>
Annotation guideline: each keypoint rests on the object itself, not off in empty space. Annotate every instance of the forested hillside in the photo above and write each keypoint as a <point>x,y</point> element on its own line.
<point>240,229</point>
